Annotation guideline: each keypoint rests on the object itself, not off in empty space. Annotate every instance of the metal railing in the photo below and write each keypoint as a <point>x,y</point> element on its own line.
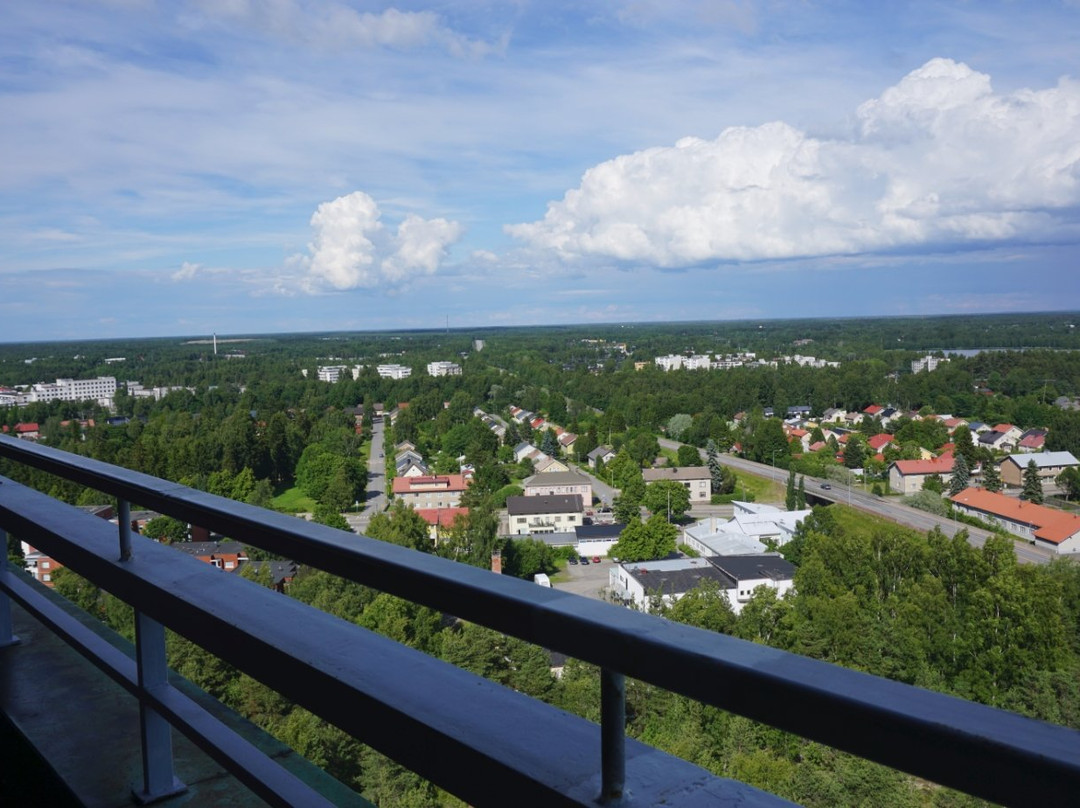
<point>472,737</point>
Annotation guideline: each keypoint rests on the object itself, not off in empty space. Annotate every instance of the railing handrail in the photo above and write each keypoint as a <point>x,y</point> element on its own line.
<point>932,735</point>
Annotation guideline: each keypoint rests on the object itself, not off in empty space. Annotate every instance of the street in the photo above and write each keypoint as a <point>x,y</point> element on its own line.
<point>887,507</point>
<point>375,494</point>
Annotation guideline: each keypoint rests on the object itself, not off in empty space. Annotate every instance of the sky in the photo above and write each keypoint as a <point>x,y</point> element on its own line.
<point>236,166</point>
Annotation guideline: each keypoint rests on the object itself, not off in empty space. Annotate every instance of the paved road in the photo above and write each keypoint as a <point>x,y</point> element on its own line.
<point>881,506</point>
<point>375,496</point>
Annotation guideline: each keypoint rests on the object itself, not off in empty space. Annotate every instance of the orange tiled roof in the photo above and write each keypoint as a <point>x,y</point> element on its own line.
<point>1051,524</point>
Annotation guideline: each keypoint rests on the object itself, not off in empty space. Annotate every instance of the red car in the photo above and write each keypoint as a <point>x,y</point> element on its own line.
<point>596,559</point>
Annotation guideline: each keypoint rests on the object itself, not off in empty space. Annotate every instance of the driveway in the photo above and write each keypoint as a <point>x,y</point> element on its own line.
<point>589,580</point>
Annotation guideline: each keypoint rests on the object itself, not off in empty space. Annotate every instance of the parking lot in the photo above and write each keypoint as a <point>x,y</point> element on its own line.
<point>585,579</point>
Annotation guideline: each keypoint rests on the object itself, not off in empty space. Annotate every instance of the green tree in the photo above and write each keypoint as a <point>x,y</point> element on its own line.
<point>401,525</point>
<point>331,517</point>
<point>961,475</point>
<point>678,425</point>
<point>688,455</point>
<point>667,497</point>
<point>645,541</point>
<point>1032,484</point>
<point>934,483</point>
<point>1069,480</point>
<point>854,452</point>
<point>991,477</point>
<point>523,558</point>
<point>550,444</point>
<point>800,495</point>
<point>791,498</point>
<point>166,529</point>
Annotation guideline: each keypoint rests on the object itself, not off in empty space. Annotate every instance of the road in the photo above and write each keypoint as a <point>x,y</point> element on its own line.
<point>375,494</point>
<point>886,507</point>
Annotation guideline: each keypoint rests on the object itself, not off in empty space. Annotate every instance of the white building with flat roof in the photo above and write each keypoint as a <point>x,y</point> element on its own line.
<point>443,368</point>
<point>102,389</point>
<point>393,371</point>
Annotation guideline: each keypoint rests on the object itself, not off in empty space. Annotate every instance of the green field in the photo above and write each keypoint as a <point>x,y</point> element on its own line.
<point>763,490</point>
<point>293,500</point>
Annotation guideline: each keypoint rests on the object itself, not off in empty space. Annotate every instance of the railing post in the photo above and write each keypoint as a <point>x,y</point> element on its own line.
<point>159,781</point>
<point>7,630</point>
<point>123,515</point>
<point>612,735</point>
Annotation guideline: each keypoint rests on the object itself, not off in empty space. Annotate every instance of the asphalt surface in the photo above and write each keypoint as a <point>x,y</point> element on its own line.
<point>375,494</point>
<point>886,507</point>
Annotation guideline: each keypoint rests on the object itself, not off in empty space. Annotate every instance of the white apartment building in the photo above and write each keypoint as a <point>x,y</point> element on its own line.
<point>393,371</point>
<point>102,389</point>
<point>443,369</point>
<point>927,363</point>
<point>331,373</point>
<point>669,362</point>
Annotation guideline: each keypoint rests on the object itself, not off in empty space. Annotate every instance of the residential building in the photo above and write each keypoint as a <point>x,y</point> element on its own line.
<point>330,373</point>
<point>1045,527</point>
<point>1049,464</point>
<point>102,389</point>
<point>436,491</point>
<point>926,363</point>
<point>547,483</point>
<point>443,369</point>
<point>542,464</point>
<point>393,371</point>
<point>1033,440</point>
<point>440,520</point>
<point>909,476</point>
<point>547,514</point>
<point>638,584</point>
<point>669,362</point>
<point>604,454</point>
<point>225,555</point>
<point>697,479</point>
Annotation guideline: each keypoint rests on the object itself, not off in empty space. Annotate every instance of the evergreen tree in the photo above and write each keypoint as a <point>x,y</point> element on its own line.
<point>800,495</point>
<point>550,444</point>
<point>991,477</point>
<point>1032,491</point>
<point>716,471</point>
<point>961,475</point>
<point>790,498</point>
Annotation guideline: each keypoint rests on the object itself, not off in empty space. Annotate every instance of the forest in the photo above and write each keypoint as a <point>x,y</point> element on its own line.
<point>922,609</point>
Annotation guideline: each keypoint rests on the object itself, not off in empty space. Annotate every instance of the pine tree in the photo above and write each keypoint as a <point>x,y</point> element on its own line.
<point>961,475</point>
<point>1033,491</point>
<point>991,478</point>
<point>716,471</point>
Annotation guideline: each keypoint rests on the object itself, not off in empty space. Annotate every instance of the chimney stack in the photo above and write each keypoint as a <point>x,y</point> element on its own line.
<point>496,561</point>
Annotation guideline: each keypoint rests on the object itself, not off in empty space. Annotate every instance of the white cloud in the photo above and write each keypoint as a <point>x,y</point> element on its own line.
<point>352,248</point>
<point>186,272</point>
<point>938,159</point>
<point>336,25</point>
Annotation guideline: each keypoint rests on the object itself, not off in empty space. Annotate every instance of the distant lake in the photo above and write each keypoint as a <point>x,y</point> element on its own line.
<point>977,351</point>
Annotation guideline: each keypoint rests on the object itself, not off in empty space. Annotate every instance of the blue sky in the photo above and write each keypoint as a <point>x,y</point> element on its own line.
<point>234,166</point>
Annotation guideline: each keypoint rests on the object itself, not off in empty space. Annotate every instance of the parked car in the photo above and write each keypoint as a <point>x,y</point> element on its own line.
<point>584,560</point>
<point>596,559</point>
<point>573,560</point>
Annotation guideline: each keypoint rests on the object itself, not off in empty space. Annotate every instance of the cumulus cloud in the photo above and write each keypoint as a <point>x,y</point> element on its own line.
<point>351,247</point>
<point>939,159</point>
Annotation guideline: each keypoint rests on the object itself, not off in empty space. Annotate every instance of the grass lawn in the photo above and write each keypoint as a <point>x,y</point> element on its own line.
<point>293,500</point>
<point>763,490</point>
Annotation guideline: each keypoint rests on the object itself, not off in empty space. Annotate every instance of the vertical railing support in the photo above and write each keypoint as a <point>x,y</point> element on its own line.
<point>123,515</point>
<point>158,779</point>
<point>612,735</point>
<point>7,630</point>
